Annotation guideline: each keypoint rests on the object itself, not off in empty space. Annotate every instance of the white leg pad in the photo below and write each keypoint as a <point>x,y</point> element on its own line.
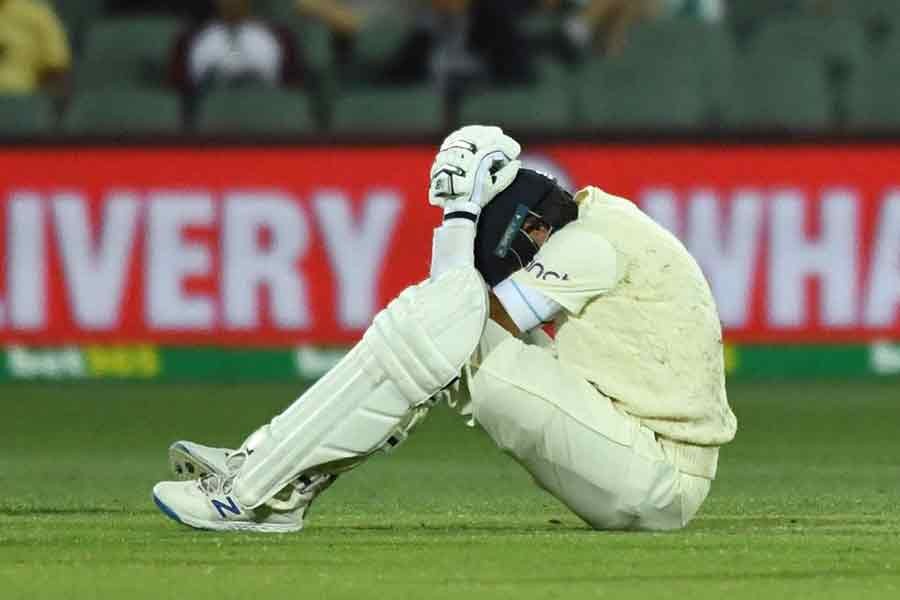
<point>414,348</point>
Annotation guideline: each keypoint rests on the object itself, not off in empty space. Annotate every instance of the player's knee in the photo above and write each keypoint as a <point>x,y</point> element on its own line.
<point>425,336</point>
<point>504,429</point>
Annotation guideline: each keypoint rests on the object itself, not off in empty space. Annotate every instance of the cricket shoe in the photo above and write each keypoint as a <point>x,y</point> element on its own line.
<point>188,460</point>
<point>208,503</point>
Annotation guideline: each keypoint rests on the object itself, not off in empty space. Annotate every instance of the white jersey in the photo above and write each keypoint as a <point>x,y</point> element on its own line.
<point>639,319</point>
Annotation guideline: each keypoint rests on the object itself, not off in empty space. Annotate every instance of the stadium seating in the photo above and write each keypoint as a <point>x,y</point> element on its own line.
<point>689,40</point>
<point>399,111</point>
<point>553,72</point>
<point>115,111</point>
<point>374,45</point>
<point>656,95</point>
<point>541,24</point>
<point>794,71</point>
<point>746,15</point>
<point>256,111</point>
<point>527,108</point>
<point>277,10</point>
<point>872,12</point>
<point>314,40</point>
<point>379,39</point>
<point>25,115</point>
<point>77,15</point>
<point>788,94</point>
<point>313,37</point>
<point>127,52</point>
<point>841,43</point>
<point>875,98</point>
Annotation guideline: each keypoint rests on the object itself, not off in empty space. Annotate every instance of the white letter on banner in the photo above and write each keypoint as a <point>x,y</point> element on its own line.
<point>356,251</point>
<point>660,204</point>
<point>832,258</point>
<point>884,280</point>
<point>95,273</point>
<point>170,259</point>
<point>26,259</point>
<point>727,251</point>
<point>247,265</point>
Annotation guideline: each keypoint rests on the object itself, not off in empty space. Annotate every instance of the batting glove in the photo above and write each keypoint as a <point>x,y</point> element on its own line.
<point>473,165</point>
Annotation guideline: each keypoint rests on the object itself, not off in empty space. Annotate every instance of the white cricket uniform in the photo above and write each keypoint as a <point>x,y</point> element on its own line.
<point>622,416</point>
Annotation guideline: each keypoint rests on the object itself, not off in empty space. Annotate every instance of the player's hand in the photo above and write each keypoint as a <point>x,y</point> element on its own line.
<point>473,165</point>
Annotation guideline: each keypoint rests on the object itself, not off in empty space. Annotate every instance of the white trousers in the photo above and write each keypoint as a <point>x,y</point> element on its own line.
<point>602,463</point>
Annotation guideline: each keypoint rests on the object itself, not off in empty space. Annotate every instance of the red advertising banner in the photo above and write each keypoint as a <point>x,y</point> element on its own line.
<point>283,246</point>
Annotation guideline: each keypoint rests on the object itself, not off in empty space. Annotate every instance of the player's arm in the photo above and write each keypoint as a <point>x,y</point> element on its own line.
<point>574,268</point>
<point>502,318</point>
<point>519,308</point>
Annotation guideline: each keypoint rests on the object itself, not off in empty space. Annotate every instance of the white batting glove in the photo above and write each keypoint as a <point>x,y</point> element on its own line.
<point>473,165</point>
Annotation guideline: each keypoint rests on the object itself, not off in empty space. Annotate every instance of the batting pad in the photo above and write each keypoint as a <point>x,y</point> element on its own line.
<point>414,348</point>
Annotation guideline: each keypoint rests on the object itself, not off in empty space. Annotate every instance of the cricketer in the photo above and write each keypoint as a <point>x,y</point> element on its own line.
<point>620,415</point>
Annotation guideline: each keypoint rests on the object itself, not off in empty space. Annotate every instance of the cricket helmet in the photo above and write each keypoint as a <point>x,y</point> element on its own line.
<point>502,243</point>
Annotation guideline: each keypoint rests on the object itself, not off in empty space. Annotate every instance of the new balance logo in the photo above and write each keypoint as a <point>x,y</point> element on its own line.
<point>231,507</point>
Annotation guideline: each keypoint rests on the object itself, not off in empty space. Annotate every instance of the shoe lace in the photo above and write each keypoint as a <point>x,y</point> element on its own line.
<point>235,460</point>
<point>213,484</point>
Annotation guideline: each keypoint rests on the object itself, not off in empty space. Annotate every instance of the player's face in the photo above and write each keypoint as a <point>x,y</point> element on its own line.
<point>537,230</point>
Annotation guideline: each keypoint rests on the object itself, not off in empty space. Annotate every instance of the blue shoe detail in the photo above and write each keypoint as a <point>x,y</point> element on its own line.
<point>231,507</point>
<point>166,510</point>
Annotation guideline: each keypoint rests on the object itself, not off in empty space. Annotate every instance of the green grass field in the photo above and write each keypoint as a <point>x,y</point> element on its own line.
<point>807,505</point>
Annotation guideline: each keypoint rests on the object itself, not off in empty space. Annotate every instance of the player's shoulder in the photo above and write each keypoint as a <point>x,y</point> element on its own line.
<point>580,233</point>
<point>613,215</point>
<point>592,200</point>
<point>588,228</point>
<point>578,248</point>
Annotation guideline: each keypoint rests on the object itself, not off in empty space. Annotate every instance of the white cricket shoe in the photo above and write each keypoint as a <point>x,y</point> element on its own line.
<point>207,503</point>
<point>188,460</point>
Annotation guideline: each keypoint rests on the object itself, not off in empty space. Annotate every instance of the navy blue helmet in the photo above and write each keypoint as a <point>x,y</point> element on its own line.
<point>502,244</point>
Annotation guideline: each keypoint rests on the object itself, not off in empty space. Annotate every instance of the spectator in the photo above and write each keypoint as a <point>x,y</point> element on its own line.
<point>564,36</point>
<point>605,23</point>
<point>34,48</point>
<point>347,17</point>
<point>235,48</point>
<point>712,11</point>
<point>458,41</point>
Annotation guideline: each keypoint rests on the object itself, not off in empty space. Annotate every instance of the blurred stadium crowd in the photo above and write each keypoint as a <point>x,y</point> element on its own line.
<point>294,67</point>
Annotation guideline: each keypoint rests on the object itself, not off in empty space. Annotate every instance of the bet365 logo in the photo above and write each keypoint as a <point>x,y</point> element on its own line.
<point>90,362</point>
